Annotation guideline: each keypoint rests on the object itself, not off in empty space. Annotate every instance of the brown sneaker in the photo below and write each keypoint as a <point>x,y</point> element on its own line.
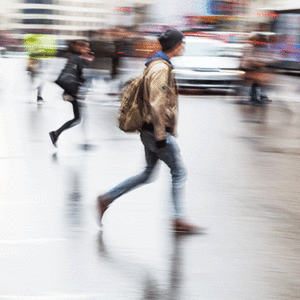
<point>181,226</point>
<point>102,206</point>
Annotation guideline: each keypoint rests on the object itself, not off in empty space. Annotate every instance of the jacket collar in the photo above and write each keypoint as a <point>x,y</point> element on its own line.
<point>158,55</point>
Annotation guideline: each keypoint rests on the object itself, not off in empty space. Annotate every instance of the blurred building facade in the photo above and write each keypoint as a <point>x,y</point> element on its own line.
<point>65,18</point>
<point>70,19</point>
<point>3,14</point>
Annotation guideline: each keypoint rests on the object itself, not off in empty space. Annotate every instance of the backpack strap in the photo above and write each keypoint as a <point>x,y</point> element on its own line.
<point>160,61</point>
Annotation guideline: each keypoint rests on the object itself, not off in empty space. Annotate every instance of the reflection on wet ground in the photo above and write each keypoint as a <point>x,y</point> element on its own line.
<point>150,286</point>
<point>243,186</point>
<point>275,128</point>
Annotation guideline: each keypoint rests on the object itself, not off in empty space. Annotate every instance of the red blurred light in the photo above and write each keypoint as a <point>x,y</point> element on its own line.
<point>264,14</point>
<point>124,9</point>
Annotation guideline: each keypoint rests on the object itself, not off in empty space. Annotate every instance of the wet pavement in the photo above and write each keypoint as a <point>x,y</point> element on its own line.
<point>243,187</point>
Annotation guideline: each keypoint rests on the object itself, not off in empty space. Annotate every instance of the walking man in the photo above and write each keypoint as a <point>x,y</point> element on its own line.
<point>157,134</point>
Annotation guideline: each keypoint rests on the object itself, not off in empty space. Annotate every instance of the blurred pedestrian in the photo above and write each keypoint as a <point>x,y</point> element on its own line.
<point>158,130</point>
<point>255,64</point>
<point>79,58</point>
<point>118,41</point>
<point>35,70</point>
<point>40,48</point>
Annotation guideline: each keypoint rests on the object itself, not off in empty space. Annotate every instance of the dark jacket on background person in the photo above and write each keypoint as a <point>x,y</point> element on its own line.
<point>160,90</point>
<point>75,58</point>
<point>78,63</point>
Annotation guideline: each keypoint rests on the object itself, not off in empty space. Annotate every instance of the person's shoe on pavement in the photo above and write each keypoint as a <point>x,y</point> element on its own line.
<point>182,226</point>
<point>102,206</point>
<point>265,99</point>
<point>54,137</point>
<point>255,100</point>
<point>40,99</point>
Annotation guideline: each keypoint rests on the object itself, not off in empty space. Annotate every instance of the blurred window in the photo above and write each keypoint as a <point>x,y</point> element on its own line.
<point>39,1</point>
<point>37,21</point>
<point>203,49</point>
<point>38,11</point>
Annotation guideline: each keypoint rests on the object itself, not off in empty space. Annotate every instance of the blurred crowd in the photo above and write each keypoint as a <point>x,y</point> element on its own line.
<point>259,51</point>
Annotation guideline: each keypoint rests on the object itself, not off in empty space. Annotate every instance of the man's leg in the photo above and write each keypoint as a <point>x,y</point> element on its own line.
<point>106,199</point>
<point>76,120</point>
<point>171,156</point>
<point>133,182</point>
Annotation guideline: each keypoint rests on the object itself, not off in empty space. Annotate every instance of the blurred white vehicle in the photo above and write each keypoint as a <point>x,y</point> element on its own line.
<point>2,51</point>
<point>207,63</point>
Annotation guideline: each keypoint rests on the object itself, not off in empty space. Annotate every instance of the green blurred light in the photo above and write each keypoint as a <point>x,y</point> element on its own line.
<point>40,45</point>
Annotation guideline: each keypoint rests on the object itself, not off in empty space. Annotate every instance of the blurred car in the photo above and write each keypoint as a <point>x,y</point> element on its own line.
<point>207,63</point>
<point>2,51</point>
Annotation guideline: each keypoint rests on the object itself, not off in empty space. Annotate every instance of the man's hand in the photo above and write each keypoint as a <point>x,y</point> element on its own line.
<point>88,56</point>
<point>161,145</point>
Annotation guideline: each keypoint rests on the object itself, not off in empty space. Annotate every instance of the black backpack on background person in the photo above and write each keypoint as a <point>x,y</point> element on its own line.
<point>68,79</point>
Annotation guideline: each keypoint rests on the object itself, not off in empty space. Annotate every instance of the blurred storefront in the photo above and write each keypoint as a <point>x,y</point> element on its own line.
<point>230,15</point>
<point>282,21</point>
<point>131,14</point>
<point>221,15</point>
<point>65,18</point>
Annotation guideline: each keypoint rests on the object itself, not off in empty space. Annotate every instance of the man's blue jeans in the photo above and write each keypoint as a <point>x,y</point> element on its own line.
<point>171,156</point>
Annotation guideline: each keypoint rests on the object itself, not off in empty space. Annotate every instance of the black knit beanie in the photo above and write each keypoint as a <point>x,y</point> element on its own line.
<point>170,38</point>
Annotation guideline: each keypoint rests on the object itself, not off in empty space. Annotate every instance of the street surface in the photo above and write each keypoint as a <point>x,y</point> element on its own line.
<point>243,188</point>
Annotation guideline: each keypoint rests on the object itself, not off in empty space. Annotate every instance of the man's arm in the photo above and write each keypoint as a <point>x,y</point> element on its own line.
<point>158,91</point>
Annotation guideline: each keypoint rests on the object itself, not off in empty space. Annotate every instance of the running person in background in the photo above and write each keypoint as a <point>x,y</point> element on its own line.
<point>79,54</point>
<point>35,70</point>
<point>254,62</point>
<point>40,48</point>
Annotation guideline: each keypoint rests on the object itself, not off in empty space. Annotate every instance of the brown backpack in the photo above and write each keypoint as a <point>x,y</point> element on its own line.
<point>133,105</point>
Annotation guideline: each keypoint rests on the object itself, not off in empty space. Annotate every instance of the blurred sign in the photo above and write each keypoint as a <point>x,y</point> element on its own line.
<point>40,45</point>
<point>227,7</point>
<point>266,14</point>
<point>222,7</point>
<point>124,9</point>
